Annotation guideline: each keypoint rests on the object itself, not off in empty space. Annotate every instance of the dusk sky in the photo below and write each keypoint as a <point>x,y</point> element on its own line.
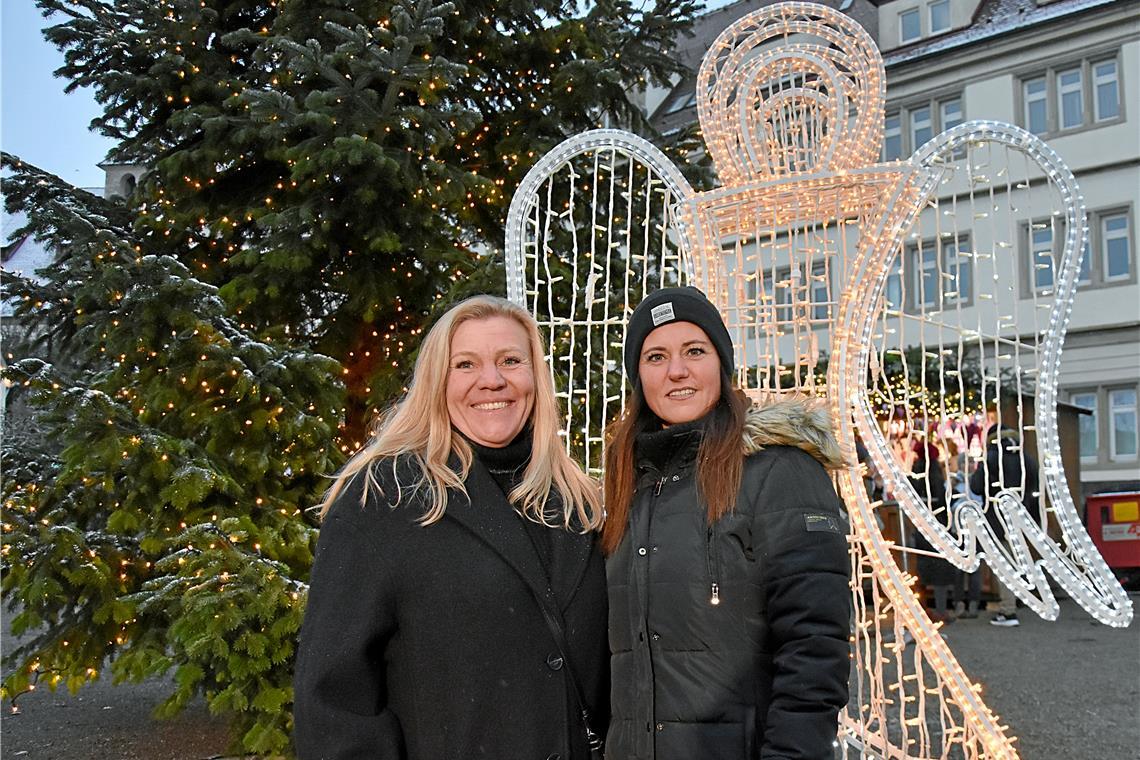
<point>38,122</point>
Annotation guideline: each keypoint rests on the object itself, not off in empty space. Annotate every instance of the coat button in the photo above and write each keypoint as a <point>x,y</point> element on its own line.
<point>554,662</point>
<point>657,637</point>
<point>660,726</point>
<point>641,550</point>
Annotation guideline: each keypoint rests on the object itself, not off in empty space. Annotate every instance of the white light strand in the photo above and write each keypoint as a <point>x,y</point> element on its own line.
<point>810,243</point>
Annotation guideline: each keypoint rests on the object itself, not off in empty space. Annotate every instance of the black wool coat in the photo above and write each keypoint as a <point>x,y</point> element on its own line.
<point>730,641</point>
<point>428,642</point>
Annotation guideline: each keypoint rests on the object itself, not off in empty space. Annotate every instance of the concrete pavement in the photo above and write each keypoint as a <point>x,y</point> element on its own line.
<point>1068,689</point>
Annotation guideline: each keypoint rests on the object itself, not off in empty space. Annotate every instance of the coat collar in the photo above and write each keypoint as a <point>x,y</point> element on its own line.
<point>488,515</point>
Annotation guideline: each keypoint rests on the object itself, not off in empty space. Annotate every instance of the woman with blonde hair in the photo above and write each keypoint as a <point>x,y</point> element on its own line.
<point>457,602</point>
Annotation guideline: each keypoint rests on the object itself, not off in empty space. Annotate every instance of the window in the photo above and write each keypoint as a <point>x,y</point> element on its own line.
<point>952,113</point>
<point>1108,436</point>
<point>777,295</point>
<point>924,120</point>
<point>940,16</point>
<point>926,277</point>
<point>1089,440</point>
<point>892,137</point>
<point>820,292</point>
<point>952,116</point>
<point>921,127</point>
<point>894,291</point>
<point>941,275</point>
<point>1070,98</point>
<point>957,265</point>
<point>1041,255</point>
<point>1122,423</point>
<point>1084,275</point>
<point>1109,250</point>
<point>1077,95</point>
<point>910,26</point>
<point>1036,108</point>
<point>1107,100</point>
<point>1115,247</point>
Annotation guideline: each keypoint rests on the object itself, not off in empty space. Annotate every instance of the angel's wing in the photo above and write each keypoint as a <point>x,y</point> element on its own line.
<point>965,320</point>
<point>590,231</point>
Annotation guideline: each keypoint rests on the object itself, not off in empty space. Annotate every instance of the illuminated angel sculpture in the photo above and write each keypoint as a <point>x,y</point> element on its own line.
<point>890,290</point>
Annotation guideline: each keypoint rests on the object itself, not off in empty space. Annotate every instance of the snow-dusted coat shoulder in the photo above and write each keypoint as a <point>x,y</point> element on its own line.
<point>731,640</point>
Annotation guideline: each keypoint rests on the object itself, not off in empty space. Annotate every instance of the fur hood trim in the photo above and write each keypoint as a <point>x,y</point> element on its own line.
<point>797,421</point>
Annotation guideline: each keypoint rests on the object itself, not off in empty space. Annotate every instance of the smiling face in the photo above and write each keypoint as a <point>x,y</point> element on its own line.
<point>490,380</point>
<point>680,372</point>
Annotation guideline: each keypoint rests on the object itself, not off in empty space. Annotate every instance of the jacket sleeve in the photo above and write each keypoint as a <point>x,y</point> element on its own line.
<point>804,528</point>
<point>340,708</point>
<point>995,473</point>
<point>978,480</point>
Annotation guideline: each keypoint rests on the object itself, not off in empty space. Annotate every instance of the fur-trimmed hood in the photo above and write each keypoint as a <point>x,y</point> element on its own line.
<point>797,421</point>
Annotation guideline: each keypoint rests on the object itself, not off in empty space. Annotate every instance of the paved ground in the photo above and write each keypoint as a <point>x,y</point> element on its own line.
<point>1069,689</point>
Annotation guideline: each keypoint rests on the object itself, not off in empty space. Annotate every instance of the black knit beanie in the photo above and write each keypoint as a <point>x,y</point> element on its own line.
<point>676,305</point>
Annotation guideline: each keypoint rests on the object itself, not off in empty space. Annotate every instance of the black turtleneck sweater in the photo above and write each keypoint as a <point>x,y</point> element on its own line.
<point>507,466</point>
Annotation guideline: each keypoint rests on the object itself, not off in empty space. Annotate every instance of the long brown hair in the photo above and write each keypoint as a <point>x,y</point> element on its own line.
<point>720,459</point>
<point>419,425</point>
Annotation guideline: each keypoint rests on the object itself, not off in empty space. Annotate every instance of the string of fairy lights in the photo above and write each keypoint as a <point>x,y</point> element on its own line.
<point>223,240</point>
<point>814,254</point>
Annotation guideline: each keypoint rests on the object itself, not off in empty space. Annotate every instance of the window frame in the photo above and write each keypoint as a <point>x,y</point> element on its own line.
<point>930,17</point>
<point>1098,252</point>
<point>1025,101</point>
<point>903,112</point>
<point>1102,231</point>
<point>1110,419</point>
<point>1030,287</point>
<point>1090,105</point>
<point>912,292</point>
<point>1095,408</point>
<point>1094,86</point>
<point>1104,459</point>
<point>1062,92</point>
<point>903,39</point>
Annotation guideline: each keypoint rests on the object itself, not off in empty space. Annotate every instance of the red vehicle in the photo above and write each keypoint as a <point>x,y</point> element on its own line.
<point>1114,526</point>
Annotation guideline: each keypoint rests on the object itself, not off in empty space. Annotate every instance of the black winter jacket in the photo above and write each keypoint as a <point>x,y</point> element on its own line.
<point>427,642</point>
<point>731,641</point>
<point>1002,470</point>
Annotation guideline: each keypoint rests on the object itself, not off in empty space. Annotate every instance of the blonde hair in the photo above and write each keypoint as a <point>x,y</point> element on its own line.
<point>419,427</point>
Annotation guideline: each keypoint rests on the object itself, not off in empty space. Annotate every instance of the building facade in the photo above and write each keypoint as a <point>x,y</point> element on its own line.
<point>1067,71</point>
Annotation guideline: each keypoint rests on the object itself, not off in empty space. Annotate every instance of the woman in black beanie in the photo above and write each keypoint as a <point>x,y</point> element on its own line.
<point>727,555</point>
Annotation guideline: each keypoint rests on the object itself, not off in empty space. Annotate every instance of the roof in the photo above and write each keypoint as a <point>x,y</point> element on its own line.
<point>21,254</point>
<point>995,18</point>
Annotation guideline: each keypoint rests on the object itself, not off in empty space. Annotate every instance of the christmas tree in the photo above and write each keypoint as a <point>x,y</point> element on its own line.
<point>322,177</point>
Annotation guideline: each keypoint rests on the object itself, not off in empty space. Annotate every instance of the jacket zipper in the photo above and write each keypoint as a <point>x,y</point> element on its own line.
<point>713,566</point>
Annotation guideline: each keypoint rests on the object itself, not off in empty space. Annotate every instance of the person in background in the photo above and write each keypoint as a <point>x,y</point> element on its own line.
<point>928,477</point>
<point>457,606</point>
<point>1007,466</point>
<point>967,586</point>
<point>728,562</point>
